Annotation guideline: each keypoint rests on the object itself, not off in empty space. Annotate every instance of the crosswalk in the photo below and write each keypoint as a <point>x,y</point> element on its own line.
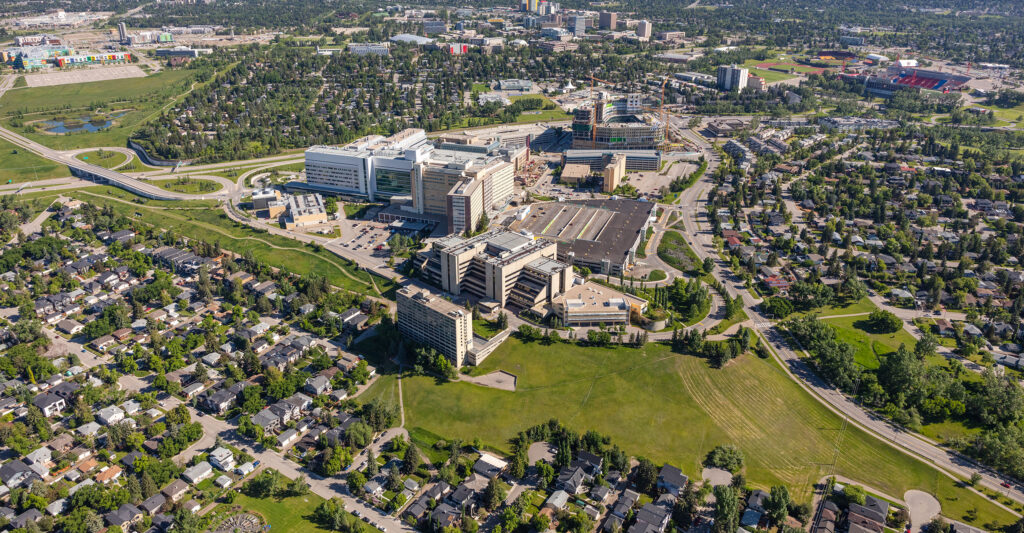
<point>762,325</point>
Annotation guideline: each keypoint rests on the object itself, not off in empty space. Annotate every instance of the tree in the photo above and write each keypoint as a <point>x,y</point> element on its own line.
<point>776,506</point>
<point>540,522</point>
<point>708,265</point>
<point>726,509</point>
<point>545,474</point>
<point>411,459</point>
<point>725,456</point>
<point>646,476</point>
<point>372,468</point>
<point>494,494</point>
<point>885,321</point>
<point>355,482</point>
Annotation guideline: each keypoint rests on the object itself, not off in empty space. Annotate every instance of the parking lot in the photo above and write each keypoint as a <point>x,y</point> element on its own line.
<point>84,75</point>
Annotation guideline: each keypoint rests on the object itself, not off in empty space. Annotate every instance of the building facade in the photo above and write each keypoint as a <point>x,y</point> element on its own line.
<point>732,78</point>
<point>435,322</point>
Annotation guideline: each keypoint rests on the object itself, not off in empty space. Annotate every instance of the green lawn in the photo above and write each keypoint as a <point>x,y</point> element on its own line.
<point>18,165</point>
<point>104,158</point>
<point>480,87</point>
<point>485,328</point>
<point>143,96</point>
<point>540,115</point>
<point>355,211</point>
<point>213,225</point>
<point>673,408</point>
<point>674,250</point>
<point>868,344</point>
<point>288,514</point>
<point>1007,114</point>
<point>188,185</point>
<point>864,305</point>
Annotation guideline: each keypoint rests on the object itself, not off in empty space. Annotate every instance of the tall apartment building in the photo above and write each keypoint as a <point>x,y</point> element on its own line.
<point>732,78</point>
<point>644,29</point>
<point>431,320</point>
<point>614,172</point>
<point>579,25</point>
<point>122,33</point>
<point>506,267</point>
<point>607,20</point>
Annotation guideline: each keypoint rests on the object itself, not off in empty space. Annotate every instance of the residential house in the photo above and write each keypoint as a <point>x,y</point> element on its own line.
<point>198,472</point>
<point>50,404</point>
<point>175,490</point>
<point>671,480</point>
<point>153,504</point>
<point>222,458</point>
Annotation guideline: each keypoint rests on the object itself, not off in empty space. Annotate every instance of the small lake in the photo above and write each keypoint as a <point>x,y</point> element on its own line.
<point>80,124</point>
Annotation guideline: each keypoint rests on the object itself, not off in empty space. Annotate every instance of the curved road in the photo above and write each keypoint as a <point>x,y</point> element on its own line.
<point>692,203</point>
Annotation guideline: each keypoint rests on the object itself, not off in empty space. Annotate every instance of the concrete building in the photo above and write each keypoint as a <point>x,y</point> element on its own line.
<point>373,167</point>
<point>608,20</point>
<point>732,78</point>
<point>615,123</point>
<point>614,172</point>
<point>598,160</point>
<point>122,33</point>
<point>305,210</point>
<point>578,25</point>
<point>365,49</point>
<point>590,304</point>
<point>757,83</point>
<point>431,320</point>
<point>459,179</point>
<point>261,198</point>
<point>644,29</point>
<point>504,267</point>
<point>431,27</point>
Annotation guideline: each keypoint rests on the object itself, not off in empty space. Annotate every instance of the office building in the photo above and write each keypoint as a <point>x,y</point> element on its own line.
<point>732,78</point>
<point>122,33</point>
<point>430,27</point>
<point>607,20</point>
<point>365,49</point>
<point>435,322</point>
<point>557,46</point>
<point>304,210</point>
<point>598,160</point>
<point>616,124</point>
<point>644,29</point>
<point>508,269</point>
<point>757,83</point>
<point>182,51</point>
<point>579,25</point>
<point>614,172</point>
<point>373,167</point>
<point>590,304</point>
<point>458,180</point>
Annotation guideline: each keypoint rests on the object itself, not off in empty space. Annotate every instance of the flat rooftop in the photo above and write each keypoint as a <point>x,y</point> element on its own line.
<point>593,230</point>
<point>590,297</point>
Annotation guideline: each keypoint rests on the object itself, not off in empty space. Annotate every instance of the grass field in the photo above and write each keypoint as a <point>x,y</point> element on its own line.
<point>106,159</point>
<point>213,225</point>
<point>1007,114</point>
<point>673,408</point>
<point>543,115</point>
<point>18,165</point>
<point>288,514</point>
<point>188,185</point>
<point>869,346</point>
<point>144,96</point>
<point>674,250</point>
<point>480,87</point>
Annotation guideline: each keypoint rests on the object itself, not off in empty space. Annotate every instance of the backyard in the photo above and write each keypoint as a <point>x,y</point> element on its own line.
<point>672,408</point>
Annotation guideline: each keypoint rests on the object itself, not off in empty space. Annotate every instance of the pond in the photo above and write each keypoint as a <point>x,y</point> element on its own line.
<point>80,124</point>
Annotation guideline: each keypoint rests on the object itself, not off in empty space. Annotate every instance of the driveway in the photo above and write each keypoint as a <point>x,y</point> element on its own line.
<point>922,507</point>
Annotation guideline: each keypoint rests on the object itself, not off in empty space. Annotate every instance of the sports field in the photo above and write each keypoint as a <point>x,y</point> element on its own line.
<point>673,408</point>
